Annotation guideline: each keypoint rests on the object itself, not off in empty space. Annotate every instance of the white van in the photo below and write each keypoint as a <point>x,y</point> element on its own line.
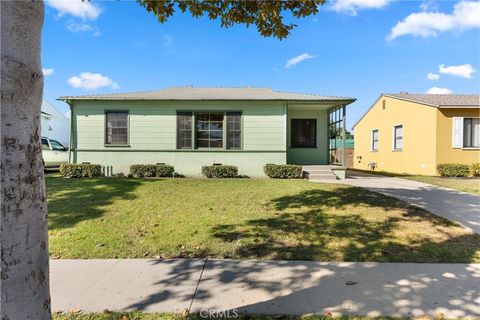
<point>54,153</point>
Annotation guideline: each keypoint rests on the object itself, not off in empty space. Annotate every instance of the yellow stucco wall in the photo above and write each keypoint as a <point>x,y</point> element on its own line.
<point>445,152</point>
<point>419,137</point>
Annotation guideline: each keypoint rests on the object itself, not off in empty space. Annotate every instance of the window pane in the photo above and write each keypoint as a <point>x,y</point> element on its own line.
<point>398,137</point>
<point>374,139</point>
<point>471,133</point>
<point>184,130</point>
<point>45,145</point>
<point>303,133</point>
<point>234,132</point>
<point>117,128</point>
<point>209,129</point>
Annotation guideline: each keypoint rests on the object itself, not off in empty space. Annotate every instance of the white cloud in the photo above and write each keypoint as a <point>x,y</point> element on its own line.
<point>429,5</point>
<point>296,60</point>
<point>47,72</point>
<point>77,8</point>
<point>463,70</point>
<point>352,7</point>
<point>465,15</point>
<point>437,90</point>
<point>82,27</point>
<point>433,76</point>
<point>91,81</point>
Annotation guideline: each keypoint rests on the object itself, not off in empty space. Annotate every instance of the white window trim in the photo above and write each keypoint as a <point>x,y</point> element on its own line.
<point>393,137</point>
<point>371,140</point>
<point>462,133</point>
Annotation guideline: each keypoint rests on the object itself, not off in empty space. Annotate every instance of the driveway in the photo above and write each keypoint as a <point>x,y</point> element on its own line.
<point>460,207</point>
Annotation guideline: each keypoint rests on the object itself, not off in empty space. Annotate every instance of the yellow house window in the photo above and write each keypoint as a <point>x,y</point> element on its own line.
<point>398,137</point>
<point>374,146</point>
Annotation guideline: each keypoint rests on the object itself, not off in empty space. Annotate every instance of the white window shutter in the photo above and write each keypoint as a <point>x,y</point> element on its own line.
<point>457,132</point>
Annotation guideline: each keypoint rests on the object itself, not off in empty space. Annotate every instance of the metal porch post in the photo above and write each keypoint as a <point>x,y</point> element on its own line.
<point>344,133</point>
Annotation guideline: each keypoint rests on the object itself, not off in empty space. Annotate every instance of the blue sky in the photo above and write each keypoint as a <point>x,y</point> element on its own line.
<point>352,48</point>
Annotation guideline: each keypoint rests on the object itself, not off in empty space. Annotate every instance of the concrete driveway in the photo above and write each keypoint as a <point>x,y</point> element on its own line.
<point>460,207</point>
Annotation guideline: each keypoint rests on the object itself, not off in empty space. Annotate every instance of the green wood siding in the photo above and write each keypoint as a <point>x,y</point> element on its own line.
<point>153,133</point>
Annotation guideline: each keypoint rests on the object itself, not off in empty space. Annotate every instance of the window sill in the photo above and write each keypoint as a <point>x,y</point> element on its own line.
<point>373,150</point>
<point>397,150</point>
<point>471,148</point>
<point>117,145</point>
<point>303,147</point>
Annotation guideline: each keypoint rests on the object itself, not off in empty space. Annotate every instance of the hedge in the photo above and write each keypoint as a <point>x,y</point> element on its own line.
<point>453,170</point>
<point>220,171</point>
<point>151,170</point>
<point>72,170</point>
<point>283,171</point>
<point>475,169</point>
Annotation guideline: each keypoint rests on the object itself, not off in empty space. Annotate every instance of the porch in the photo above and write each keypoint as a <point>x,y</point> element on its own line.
<point>316,135</point>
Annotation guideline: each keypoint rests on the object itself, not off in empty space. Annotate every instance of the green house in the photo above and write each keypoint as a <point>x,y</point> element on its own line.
<point>189,127</point>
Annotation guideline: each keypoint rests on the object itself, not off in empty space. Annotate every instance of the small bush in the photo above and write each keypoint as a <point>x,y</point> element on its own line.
<point>220,171</point>
<point>283,171</point>
<point>119,175</point>
<point>72,170</point>
<point>475,169</point>
<point>151,170</point>
<point>453,170</point>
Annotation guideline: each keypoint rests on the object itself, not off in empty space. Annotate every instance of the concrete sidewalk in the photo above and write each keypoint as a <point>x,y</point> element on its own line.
<point>460,207</point>
<point>267,287</point>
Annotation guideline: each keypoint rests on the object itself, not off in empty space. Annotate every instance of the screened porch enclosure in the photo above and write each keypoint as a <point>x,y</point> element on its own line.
<point>337,135</point>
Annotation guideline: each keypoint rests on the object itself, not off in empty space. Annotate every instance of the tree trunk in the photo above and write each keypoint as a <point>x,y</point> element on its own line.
<point>24,248</point>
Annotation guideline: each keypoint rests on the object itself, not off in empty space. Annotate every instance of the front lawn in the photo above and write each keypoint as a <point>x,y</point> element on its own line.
<point>245,218</point>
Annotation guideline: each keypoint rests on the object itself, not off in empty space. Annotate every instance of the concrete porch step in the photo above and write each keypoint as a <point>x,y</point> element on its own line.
<point>322,177</point>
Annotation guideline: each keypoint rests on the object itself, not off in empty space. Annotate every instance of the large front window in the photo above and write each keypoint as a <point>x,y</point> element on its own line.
<point>209,128</point>
<point>471,132</point>
<point>212,130</point>
<point>304,133</point>
<point>116,128</point>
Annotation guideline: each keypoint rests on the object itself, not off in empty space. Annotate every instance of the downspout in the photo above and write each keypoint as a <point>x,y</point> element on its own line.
<point>71,132</point>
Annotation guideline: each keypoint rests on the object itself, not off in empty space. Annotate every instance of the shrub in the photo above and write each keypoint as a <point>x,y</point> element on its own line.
<point>72,170</point>
<point>475,169</point>
<point>283,171</point>
<point>220,171</point>
<point>151,170</point>
<point>453,170</point>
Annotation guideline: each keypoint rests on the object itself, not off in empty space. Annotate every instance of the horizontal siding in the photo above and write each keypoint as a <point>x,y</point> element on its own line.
<point>152,125</point>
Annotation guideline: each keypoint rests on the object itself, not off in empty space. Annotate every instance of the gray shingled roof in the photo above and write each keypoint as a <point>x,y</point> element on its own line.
<point>210,93</point>
<point>440,100</point>
<point>433,100</point>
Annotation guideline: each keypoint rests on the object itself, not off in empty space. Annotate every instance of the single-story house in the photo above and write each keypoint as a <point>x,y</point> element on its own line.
<point>413,133</point>
<point>190,127</point>
<point>54,124</point>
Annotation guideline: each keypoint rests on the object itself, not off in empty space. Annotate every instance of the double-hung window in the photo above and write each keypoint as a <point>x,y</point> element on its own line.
<point>471,132</point>
<point>116,128</point>
<point>398,137</point>
<point>209,130</point>
<point>374,138</point>
<point>466,132</point>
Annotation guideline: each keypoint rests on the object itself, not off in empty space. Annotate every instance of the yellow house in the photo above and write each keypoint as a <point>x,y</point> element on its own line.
<point>413,133</point>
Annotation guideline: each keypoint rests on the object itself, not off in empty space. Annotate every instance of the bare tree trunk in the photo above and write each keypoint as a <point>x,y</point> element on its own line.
<point>24,248</point>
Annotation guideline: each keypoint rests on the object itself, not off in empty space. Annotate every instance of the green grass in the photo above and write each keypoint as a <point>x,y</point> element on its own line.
<point>471,185</point>
<point>170,316</point>
<point>245,218</point>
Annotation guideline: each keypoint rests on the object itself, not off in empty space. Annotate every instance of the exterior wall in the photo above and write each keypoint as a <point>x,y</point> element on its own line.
<point>445,152</point>
<point>306,156</point>
<point>56,126</point>
<point>152,135</point>
<point>419,137</point>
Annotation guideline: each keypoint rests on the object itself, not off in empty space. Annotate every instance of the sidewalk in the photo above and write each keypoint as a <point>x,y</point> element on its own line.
<point>267,287</point>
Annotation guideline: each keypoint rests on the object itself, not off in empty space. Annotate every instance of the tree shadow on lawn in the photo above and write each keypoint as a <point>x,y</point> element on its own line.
<point>71,201</point>
<point>305,228</point>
